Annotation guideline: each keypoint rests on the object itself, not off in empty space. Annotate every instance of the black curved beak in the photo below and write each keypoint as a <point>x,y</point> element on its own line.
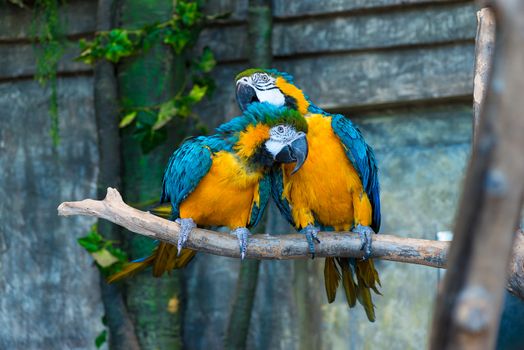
<point>296,151</point>
<point>245,96</point>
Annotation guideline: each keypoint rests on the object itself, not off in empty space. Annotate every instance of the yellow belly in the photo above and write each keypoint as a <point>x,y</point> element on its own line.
<point>224,196</point>
<point>327,187</point>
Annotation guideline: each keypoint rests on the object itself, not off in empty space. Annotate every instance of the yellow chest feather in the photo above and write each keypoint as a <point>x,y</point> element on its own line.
<point>224,196</point>
<point>327,187</point>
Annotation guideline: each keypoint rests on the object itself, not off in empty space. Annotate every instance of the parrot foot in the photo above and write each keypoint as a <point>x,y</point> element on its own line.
<point>186,226</point>
<point>364,233</point>
<point>311,233</point>
<point>242,234</point>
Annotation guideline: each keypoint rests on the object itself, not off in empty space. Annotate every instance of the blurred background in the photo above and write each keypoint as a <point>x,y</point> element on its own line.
<point>99,93</point>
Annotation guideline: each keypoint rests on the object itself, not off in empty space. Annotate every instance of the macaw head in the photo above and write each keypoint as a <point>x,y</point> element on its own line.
<point>271,86</point>
<point>266,134</point>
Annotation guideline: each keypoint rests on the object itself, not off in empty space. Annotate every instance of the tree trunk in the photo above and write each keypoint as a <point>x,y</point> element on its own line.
<point>260,25</point>
<point>468,309</point>
<point>144,80</point>
<point>121,329</point>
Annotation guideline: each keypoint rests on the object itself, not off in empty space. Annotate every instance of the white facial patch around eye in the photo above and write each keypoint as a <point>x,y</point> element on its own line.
<point>282,132</point>
<point>274,97</point>
<point>274,146</point>
<point>279,136</point>
<point>263,81</point>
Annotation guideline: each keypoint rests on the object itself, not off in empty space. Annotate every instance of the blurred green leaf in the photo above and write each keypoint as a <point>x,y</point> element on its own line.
<point>108,258</point>
<point>104,258</point>
<point>184,107</point>
<point>101,339</point>
<point>178,39</point>
<point>188,12</point>
<point>150,139</point>
<point>197,93</point>
<point>117,253</point>
<point>93,241</point>
<point>128,119</point>
<point>207,61</point>
<point>167,111</point>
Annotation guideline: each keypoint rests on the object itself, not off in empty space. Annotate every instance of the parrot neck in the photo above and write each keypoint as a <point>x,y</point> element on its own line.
<point>314,109</point>
<point>250,148</point>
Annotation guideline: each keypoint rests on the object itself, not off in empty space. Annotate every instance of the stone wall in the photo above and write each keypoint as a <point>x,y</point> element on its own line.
<point>402,69</point>
<point>49,285</point>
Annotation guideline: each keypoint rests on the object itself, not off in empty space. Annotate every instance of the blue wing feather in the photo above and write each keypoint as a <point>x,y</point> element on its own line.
<point>363,159</point>
<point>264,191</point>
<point>186,167</point>
<point>277,188</point>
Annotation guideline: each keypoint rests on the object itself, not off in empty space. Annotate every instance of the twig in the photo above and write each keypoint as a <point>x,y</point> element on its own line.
<point>281,247</point>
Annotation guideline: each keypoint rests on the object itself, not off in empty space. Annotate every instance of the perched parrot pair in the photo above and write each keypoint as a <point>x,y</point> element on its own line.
<point>316,165</point>
<point>223,179</point>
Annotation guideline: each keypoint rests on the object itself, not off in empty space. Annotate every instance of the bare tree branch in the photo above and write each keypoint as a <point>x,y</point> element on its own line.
<point>467,314</point>
<point>484,46</point>
<point>292,246</point>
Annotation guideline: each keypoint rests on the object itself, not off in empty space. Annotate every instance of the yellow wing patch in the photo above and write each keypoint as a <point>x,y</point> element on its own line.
<point>225,195</point>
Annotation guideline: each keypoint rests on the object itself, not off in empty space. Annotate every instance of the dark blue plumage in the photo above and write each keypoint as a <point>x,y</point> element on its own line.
<point>186,167</point>
<point>363,159</point>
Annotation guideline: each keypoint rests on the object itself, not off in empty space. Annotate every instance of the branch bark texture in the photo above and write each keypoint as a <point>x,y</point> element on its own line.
<point>484,46</point>
<point>291,246</point>
<point>468,309</point>
<point>121,329</point>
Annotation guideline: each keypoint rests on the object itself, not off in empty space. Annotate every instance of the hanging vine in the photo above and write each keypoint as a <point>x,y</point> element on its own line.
<point>49,42</point>
<point>180,33</point>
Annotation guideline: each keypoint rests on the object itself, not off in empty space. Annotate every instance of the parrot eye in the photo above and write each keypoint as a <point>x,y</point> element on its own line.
<point>262,80</point>
<point>282,132</point>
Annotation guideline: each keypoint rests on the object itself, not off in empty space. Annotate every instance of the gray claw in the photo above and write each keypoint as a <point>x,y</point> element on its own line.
<point>242,234</point>
<point>311,233</point>
<point>365,233</point>
<point>186,226</point>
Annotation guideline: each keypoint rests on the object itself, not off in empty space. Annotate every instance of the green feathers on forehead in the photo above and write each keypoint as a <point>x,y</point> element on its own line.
<point>270,115</point>
<point>288,117</point>
<point>249,72</point>
<point>273,72</point>
<point>267,114</point>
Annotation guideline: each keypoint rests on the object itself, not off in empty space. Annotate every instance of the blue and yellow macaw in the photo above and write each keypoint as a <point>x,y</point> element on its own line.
<point>223,179</point>
<point>336,189</point>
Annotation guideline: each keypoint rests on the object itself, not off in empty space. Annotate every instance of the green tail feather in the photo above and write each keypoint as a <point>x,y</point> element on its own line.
<point>130,269</point>
<point>331,279</point>
<point>367,279</point>
<point>163,259</point>
<point>350,288</point>
<point>366,270</point>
